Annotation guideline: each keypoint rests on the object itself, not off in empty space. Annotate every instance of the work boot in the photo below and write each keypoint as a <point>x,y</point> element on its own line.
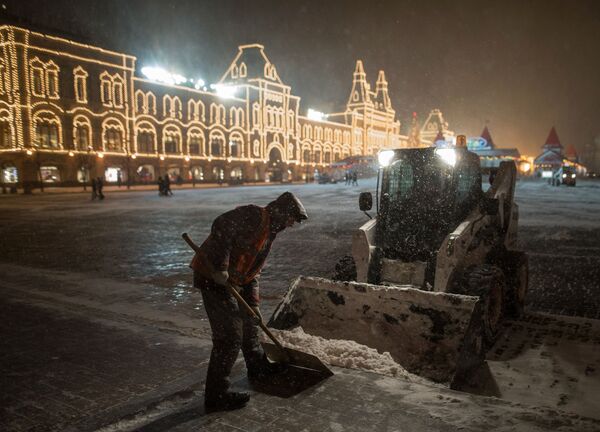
<point>226,401</point>
<point>265,369</point>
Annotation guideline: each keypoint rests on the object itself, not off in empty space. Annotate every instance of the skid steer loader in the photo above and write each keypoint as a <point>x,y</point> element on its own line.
<point>431,275</point>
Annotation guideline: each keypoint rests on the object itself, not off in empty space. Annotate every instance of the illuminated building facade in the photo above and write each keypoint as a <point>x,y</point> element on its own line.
<point>70,112</point>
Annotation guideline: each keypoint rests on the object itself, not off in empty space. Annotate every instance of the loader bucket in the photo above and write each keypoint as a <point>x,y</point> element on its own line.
<point>432,334</point>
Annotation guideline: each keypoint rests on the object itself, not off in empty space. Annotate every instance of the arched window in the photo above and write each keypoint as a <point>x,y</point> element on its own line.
<point>222,115</point>
<point>146,138</point>
<point>5,133</point>
<point>80,83</point>
<point>37,77</point>
<point>82,133</point>
<point>237,117</point>
<point>243,70</point>
<point>306,155</point>
<point>235,146</point>
<point>256,148</point>
<point>234,71</point>
<point>106,90</point>
<point>47,130</point>
<point>118,91</point>
<point>113,135</point>
<point>217,144</point>
<point>140,102</point>
<point>328,134</point>
<point>171,140</point>
<point>195,141</point>
<point>327,155</point>
<point>151,101</point>
<point>307,131</point>
<point>317,157</point>
<point>176,113</point>
<point>52,80</point>
<point>318,133</point>
<point>256,115</point>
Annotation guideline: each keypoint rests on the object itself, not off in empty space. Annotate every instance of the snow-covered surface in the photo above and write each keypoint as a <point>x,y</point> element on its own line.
<point>541,204</point>
<point>343,353</point>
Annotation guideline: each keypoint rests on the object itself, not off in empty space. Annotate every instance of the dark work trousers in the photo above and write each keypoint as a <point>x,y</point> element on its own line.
<point>232,329</point>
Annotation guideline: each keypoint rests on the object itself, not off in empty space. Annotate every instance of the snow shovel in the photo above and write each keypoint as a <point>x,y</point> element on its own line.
<point>276,352</point>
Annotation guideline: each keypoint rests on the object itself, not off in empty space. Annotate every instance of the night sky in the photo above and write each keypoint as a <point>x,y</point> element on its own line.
<point>518,66</point>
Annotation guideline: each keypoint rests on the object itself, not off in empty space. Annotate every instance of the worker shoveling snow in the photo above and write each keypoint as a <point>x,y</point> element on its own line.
<point>345,353</point>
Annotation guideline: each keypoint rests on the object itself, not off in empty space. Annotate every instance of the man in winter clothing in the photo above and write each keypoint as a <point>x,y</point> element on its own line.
<point>234,253</point>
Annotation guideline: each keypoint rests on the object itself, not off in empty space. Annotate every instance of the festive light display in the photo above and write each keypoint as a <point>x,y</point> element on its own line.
<point>249,117</point>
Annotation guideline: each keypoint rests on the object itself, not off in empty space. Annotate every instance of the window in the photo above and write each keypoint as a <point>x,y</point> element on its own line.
<point>113,140</point>
<point>5,135</point>
<point>53,84</point>
<point>197,173</point>
<point>82,133</point>
<point>171,143</point>
<point>317,156</point>
<point>145,142</point>
<point>306,156</point>
<point>47,135</point>
<point>106,92</point>
<point>38,82</point>
<point>151,100</point>
<point>327,157</point>
<point>140,102</point>
<point>80,89</point>
<point>216,144</point>
<point>195,144</point>
<point>118,94</point>
<point>235,147</point>
<point>256,148</point>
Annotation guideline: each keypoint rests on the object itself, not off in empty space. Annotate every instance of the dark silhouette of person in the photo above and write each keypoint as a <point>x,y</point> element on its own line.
<point>94,189</point>
<point>119,179</point>
<point>99,187</point>
<point>234,254</point>
<point>161,186</point>
<point>167,186</point>
<point>354,179</point>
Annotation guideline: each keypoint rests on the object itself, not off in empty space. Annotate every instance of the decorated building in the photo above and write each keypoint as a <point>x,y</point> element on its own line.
<point>553,157</point>
<point>71,111</point>
<point>491,155</point>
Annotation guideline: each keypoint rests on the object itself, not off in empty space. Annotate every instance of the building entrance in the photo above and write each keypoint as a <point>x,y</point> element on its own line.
<point>275,166</point>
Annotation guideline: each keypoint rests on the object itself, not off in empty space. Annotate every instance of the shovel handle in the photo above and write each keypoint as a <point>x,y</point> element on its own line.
<point>251,312</point>
<point>241,301</point>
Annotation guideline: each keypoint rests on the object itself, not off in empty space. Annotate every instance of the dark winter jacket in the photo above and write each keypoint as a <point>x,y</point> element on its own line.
<point>239,243</point>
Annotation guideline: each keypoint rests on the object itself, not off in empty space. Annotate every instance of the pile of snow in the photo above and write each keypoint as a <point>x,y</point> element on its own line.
<point>343,353</point>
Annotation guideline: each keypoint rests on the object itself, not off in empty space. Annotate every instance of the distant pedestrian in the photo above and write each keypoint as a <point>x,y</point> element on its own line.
<point>179,180</point>
<point>168,190</point>
<point>354,179</point>
<point>119,179</point>
<point>94,189</point>
<point>161,186</point>
<point>99,187</point>
<point>347,178</point>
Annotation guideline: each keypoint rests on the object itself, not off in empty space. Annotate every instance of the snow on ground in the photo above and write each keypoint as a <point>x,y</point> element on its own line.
<point>343,353</point>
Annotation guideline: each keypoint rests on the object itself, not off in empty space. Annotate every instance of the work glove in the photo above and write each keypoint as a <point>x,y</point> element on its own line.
<point>220,277</point>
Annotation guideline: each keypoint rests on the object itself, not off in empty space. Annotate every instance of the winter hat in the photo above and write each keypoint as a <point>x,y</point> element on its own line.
<point>289,204</point>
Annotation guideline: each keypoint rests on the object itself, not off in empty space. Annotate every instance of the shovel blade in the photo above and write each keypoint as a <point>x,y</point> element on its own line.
<point>296,358</point>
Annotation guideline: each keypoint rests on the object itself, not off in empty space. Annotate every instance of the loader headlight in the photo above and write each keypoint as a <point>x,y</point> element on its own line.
<point>564,175</point>
<point>385,157</point>
<point>572,175</point>
<point>447,155</point>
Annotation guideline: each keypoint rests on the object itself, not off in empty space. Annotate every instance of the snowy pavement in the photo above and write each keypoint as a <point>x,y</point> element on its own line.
<point>122,263</point>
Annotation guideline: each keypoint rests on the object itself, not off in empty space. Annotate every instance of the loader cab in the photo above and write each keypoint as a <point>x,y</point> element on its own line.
<point>425,193</point>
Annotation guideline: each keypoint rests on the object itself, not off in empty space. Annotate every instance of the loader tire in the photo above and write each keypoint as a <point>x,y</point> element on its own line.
<point>489,284</point>
<point>345,269</point>
<point>517,271</point>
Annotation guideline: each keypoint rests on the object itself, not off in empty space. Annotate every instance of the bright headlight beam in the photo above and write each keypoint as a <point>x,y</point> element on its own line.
<point>447,155</point>
<point>385,157</point>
